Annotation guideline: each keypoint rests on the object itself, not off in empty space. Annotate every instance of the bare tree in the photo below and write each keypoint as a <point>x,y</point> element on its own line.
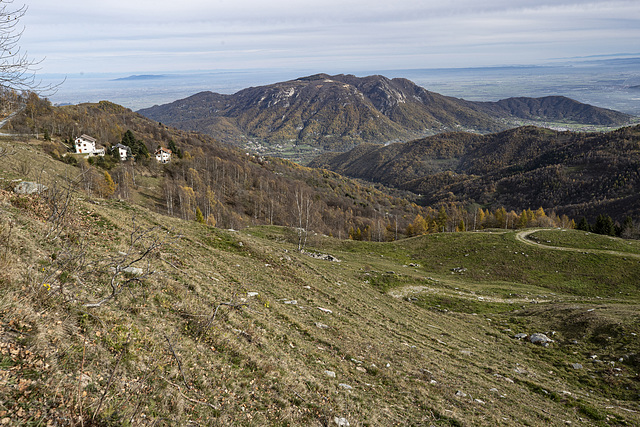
<point>17,70</point>
<point>302,212</point>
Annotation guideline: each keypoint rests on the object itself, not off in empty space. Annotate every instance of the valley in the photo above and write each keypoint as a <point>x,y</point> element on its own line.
<point>337,113</point>
<point>226,287</point>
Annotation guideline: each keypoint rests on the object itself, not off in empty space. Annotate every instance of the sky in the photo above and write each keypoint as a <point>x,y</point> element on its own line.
<point>158,36</point>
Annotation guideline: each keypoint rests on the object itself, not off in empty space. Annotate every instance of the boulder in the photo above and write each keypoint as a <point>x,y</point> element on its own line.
<point>136,271</point>
<point>26,187</point>
<point>540,339</point>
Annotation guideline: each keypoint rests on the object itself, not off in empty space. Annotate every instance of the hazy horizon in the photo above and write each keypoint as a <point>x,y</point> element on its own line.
<point>603,83</point>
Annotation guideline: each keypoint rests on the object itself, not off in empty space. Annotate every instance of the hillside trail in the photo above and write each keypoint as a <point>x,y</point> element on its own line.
<point>522,237</point>
<point>408,291</point>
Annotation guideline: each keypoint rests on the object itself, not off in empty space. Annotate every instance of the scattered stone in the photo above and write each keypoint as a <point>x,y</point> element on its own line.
<point>345,386</point>
<point>461,393</point>
<point>340,421</point>
<point>519,370</point>
<point>520,336</point>
<point>321,325</point>
<point>325,257</point>
<point>330,374</point>
<point>136,271</point>
<point>479,401</point>
<point>26,187</point>
<point>361,369</point>
<point>291,302</point>
<point>325,310</point>
<point>458,270</point>
<point>84,380</point>
<point>576,366</point>
<point>252,294</point>
<point>540,339</point>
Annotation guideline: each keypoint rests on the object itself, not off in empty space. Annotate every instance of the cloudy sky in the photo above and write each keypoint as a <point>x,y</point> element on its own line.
<point>138,36</point>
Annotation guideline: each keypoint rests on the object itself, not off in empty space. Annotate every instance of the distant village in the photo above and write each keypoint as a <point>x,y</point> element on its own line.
<point>85,144</point>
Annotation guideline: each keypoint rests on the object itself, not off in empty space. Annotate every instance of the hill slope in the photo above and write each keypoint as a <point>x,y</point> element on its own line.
<point>573,173</point>
<point>220,327</point>
<point>338,112</point>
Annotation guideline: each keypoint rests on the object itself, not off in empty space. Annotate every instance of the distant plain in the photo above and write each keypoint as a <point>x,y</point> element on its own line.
<point>612,84</point>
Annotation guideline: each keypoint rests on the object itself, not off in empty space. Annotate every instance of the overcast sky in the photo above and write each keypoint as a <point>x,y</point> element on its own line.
<point>138,36</point>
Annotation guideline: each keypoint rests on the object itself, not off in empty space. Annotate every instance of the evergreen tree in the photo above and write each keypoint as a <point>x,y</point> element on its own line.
<point>138,149</point>
<point>604,225</point>
<point>583,225</point>
<point>175,150</point>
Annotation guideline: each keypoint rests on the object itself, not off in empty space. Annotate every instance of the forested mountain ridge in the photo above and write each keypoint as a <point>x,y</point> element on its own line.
<point>338,112</point>
<point>574,173</point>
<point>231,188</point>
<point>555,109</point>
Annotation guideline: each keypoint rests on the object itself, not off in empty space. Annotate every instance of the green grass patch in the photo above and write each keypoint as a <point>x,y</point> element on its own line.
<point>462,305</point>
<point>585,240</point>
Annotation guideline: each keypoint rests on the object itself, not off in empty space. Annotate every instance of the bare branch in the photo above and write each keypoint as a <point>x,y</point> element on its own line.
<point>184,379</point>
<point>17,70</point>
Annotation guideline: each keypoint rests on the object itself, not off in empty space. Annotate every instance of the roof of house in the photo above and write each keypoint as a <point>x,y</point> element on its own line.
<point>87,137</point>
<point>124,147</point>
<point>166,150</point>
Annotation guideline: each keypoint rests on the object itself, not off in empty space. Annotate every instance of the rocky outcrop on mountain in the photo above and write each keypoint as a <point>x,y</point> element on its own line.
<point>341,111</point>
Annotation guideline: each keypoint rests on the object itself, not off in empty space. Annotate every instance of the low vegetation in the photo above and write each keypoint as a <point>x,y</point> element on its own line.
<point>113,313</point>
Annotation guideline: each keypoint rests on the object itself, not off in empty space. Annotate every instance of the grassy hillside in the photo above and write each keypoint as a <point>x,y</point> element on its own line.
<point>237,327</point>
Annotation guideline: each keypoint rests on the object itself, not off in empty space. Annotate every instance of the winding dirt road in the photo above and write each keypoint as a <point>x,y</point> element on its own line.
<point>522,237</point>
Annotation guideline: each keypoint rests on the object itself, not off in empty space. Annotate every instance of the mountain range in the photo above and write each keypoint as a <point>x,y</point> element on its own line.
<point>341,111</point>
<point>580,174</point>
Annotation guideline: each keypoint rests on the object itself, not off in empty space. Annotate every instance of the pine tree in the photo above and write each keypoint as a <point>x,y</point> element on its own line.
<point>583,225</point>
<point>138,149</point>
<point>604,225</point>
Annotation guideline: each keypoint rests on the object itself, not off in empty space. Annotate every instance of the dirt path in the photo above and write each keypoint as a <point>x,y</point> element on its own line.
<point>522,237</point>
<point>407,291</point>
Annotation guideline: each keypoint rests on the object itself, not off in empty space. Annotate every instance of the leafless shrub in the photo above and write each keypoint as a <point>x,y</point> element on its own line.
<point>6,230</point>
<point>24,168</point>
<point>4,152</point>
<point>76,274</point>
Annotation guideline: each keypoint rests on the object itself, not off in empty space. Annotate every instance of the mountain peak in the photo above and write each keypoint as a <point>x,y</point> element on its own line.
<point>340,111</point>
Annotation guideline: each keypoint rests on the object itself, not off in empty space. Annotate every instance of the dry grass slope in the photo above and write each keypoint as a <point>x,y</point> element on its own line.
<point>237,328</point>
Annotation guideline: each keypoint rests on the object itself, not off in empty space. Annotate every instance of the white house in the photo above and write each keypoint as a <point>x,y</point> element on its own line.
<point>123,151</point>
<point>163,155</point>
<point>87,145</point>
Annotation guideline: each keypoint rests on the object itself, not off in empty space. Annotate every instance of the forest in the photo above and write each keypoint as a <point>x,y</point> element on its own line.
<point>229,188</point>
